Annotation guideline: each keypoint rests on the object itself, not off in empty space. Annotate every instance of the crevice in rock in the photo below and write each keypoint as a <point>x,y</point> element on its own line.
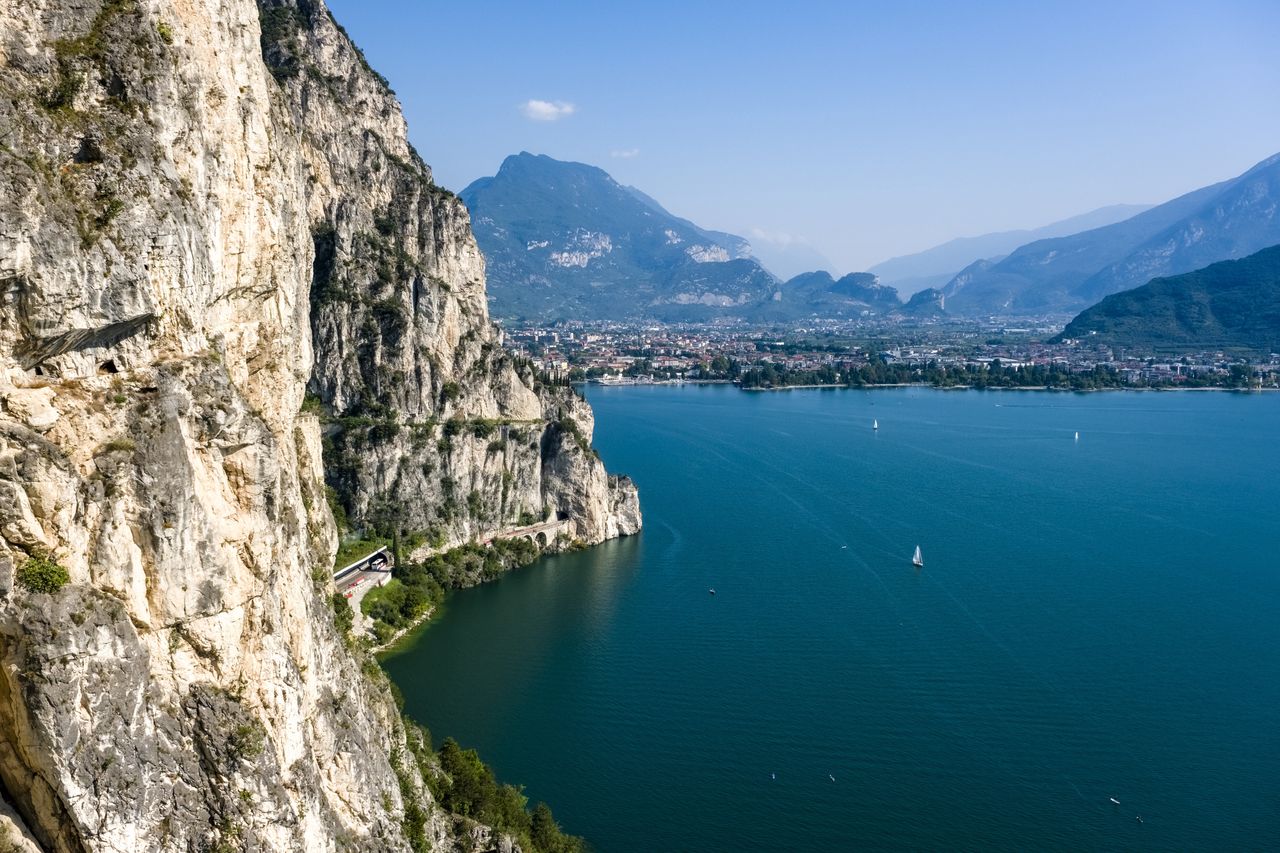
<point>88,153</point>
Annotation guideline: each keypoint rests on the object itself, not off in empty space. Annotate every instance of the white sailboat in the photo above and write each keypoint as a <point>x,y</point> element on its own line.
<point>875,424</point>
<point>918,559</point>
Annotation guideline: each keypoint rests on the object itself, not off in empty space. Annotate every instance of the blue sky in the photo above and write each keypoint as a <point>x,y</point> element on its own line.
<point>864,130</point>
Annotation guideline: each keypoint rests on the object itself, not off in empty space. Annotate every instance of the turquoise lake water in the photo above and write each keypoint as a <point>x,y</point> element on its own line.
<point>1096,618</point>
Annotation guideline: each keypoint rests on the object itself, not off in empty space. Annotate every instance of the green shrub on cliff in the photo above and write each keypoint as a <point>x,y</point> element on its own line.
<point>42,573</point>
<point>546,835</point>
<point>343,617</point>
<point>470,789</point>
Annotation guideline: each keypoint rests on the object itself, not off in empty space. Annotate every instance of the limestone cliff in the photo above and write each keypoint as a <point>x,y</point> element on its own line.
<point>203,208</point>
<point>434,429</point>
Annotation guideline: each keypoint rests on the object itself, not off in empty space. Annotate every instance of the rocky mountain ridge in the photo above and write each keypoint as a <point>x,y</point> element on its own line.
<point>1227,220</point>
<point>935,266</point>
<point>819,294</point>
<point>206,211</point>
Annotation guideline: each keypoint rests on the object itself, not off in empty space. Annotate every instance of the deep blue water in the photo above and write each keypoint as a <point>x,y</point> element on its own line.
<point>1096,618</point>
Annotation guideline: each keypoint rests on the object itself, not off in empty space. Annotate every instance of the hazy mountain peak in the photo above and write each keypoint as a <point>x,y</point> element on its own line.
<point>1225,220</point>
<point>935,266</point>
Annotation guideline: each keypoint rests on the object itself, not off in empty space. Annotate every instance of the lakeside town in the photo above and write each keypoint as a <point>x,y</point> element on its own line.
<point>844,353</point>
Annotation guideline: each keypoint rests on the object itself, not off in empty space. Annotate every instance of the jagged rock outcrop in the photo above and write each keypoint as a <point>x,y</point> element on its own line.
<point>930,302</point>
<point>174,215</point>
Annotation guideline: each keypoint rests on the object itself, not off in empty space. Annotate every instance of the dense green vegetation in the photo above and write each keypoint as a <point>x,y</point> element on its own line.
<point>471,790</point>
<point>281,46</point>
<point>464,785</point>
<point>769,375</point>
<point>42,573</point>
<point>354,549</point>
<point>765,374</point>
<point>343,618</point>
<point>419,587</point>
<point>1232,305</point>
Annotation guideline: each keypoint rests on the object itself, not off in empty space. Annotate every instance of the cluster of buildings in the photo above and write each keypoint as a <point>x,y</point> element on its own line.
<point>651,352</point>
<point>619,349</point>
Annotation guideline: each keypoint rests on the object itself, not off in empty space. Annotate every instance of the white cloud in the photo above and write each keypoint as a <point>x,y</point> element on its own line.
<point>777,238</point>
<point>625,153</point>
<point>537,110</point>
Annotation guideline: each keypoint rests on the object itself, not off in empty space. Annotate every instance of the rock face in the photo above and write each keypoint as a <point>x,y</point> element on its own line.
<point>436,431</point>
<point>190,237</point>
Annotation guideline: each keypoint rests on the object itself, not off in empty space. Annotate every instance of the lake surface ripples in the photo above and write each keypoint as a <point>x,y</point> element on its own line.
<point>1096,618</point>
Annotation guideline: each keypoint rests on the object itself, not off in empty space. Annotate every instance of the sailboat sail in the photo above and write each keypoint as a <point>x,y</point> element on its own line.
<point>918,559</point>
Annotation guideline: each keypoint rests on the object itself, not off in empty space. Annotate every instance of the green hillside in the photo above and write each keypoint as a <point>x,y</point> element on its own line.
<point>1231,305</point>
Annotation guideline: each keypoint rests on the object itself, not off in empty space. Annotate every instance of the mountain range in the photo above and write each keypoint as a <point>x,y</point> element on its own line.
<point>936,266</point>
<point>1227,305</point>
<point>1227,220</point>
<point>566,241</point>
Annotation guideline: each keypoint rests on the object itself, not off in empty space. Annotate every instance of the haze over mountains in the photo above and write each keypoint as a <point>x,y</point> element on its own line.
<point>936,266</point>
<point>1227,220</point>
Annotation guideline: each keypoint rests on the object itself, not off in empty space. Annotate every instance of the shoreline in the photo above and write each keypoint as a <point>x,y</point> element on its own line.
<point>1053,389</point>
<point>1015,388</point>
<point>420,622</point>
<point>427,616</point>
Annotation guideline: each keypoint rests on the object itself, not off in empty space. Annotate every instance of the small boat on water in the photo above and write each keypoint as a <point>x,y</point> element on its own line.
<point>712,591</point>
<point>1077,436</point>
<point>1114,800</point>
<point>875,424</point>
<point>918,559</point>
